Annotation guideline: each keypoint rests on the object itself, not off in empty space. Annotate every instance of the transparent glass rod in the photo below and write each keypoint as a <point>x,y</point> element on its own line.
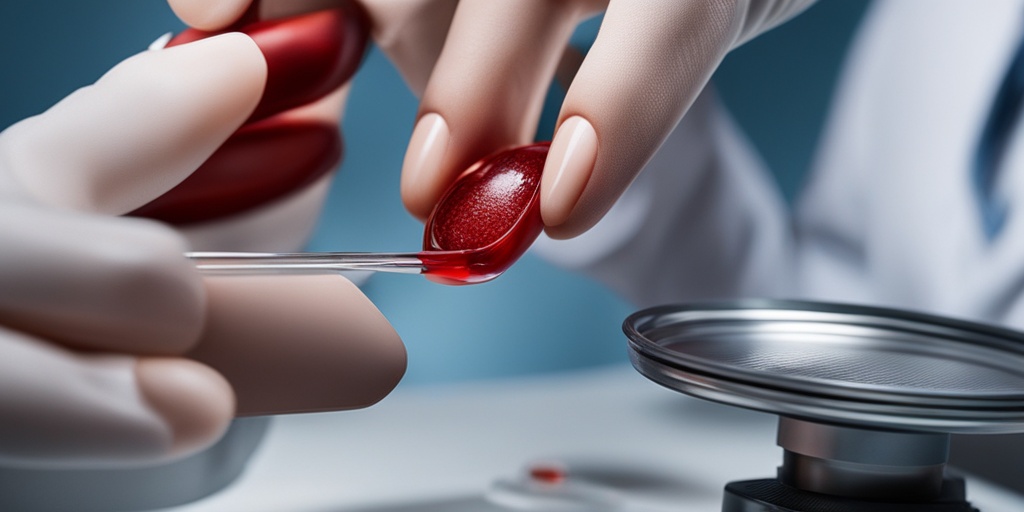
<point>304,263</point>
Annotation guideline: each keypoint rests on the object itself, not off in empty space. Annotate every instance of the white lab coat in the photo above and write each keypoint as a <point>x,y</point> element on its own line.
<point>888,216</point>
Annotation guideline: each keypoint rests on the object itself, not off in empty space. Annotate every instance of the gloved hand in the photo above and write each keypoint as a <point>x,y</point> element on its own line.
<point>649,62</point>
<point>113,349</point>
<point>485,90</point>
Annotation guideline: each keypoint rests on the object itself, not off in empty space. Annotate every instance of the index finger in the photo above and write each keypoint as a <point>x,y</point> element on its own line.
<point>144,127</point>
<point>298,343</point>
<point>486,90</point>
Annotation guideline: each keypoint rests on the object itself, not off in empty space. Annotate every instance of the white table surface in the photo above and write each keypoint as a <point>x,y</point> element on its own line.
<point>434,448</point>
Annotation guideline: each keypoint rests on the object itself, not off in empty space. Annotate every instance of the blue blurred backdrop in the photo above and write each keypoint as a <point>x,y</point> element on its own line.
<point>533,319</point>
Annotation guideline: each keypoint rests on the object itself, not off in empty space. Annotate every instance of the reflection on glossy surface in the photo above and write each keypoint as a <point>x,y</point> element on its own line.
<point>491,212</point>
<point>323,50</point>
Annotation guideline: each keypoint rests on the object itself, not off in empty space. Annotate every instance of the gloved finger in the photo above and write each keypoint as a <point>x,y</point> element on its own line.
<point>307,56</point>
<point>97,282</point>
<point>140,130</point>
<point>631,92</point>
<point>486,91</point>
<point>643,83</point>
<point>411,33</point>
<point>68,410</point>
<point>299,344</point>
<point>206,15</point>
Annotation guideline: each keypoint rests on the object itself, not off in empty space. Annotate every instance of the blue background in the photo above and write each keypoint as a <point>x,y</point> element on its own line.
<point>533,319</point>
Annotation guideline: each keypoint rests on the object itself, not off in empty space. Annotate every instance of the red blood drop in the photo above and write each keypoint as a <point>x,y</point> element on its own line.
<point>492,211</point>
<point>488,200</point>
<point>551,475</point>
<point>308,56</point>
<point>260,163</point>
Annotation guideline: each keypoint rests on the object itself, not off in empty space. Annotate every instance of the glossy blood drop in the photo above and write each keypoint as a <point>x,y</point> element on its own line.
<point>308,56</point>
<point>486,202</point>
<point>492,211</point>
<point>260,163</point>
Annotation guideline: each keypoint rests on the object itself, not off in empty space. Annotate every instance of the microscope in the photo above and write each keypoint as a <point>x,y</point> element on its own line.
<point>867,398</point>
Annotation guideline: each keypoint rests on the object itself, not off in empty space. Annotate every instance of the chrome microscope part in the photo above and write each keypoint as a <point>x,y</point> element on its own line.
<point>867,397</point>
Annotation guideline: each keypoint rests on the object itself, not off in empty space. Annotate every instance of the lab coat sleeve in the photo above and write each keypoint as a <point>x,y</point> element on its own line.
<point>703,221</point>
<point>889,216</point>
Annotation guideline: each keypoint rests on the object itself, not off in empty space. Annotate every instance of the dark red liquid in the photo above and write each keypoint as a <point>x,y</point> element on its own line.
<point>551,475</point>
<point>271,156</point>
<point>258,164</point>
<point>308,56</point>
<point>487,218</point>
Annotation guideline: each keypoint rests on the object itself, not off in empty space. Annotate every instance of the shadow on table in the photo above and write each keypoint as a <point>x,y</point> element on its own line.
<point>628,481</point>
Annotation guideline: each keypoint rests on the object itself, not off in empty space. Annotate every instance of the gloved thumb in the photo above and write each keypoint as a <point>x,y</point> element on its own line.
<point>145,126</point>
<point>66,410</point>
<point>631,92</point>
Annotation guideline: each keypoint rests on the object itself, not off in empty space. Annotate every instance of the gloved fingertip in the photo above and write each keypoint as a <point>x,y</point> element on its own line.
<point>299,344</point>
<point>422,184</point>
<point>567,169</point>
<point>196,402</point>
<point>206,15</point>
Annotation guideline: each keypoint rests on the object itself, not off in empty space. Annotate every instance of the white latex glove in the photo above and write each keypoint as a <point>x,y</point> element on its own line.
<point>97,311</point>
<point>483,68</point>
<point>649,62</point>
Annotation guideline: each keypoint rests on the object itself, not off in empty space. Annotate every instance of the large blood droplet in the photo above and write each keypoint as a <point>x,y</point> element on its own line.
<point>307,56</point>
<point>493,211</point>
